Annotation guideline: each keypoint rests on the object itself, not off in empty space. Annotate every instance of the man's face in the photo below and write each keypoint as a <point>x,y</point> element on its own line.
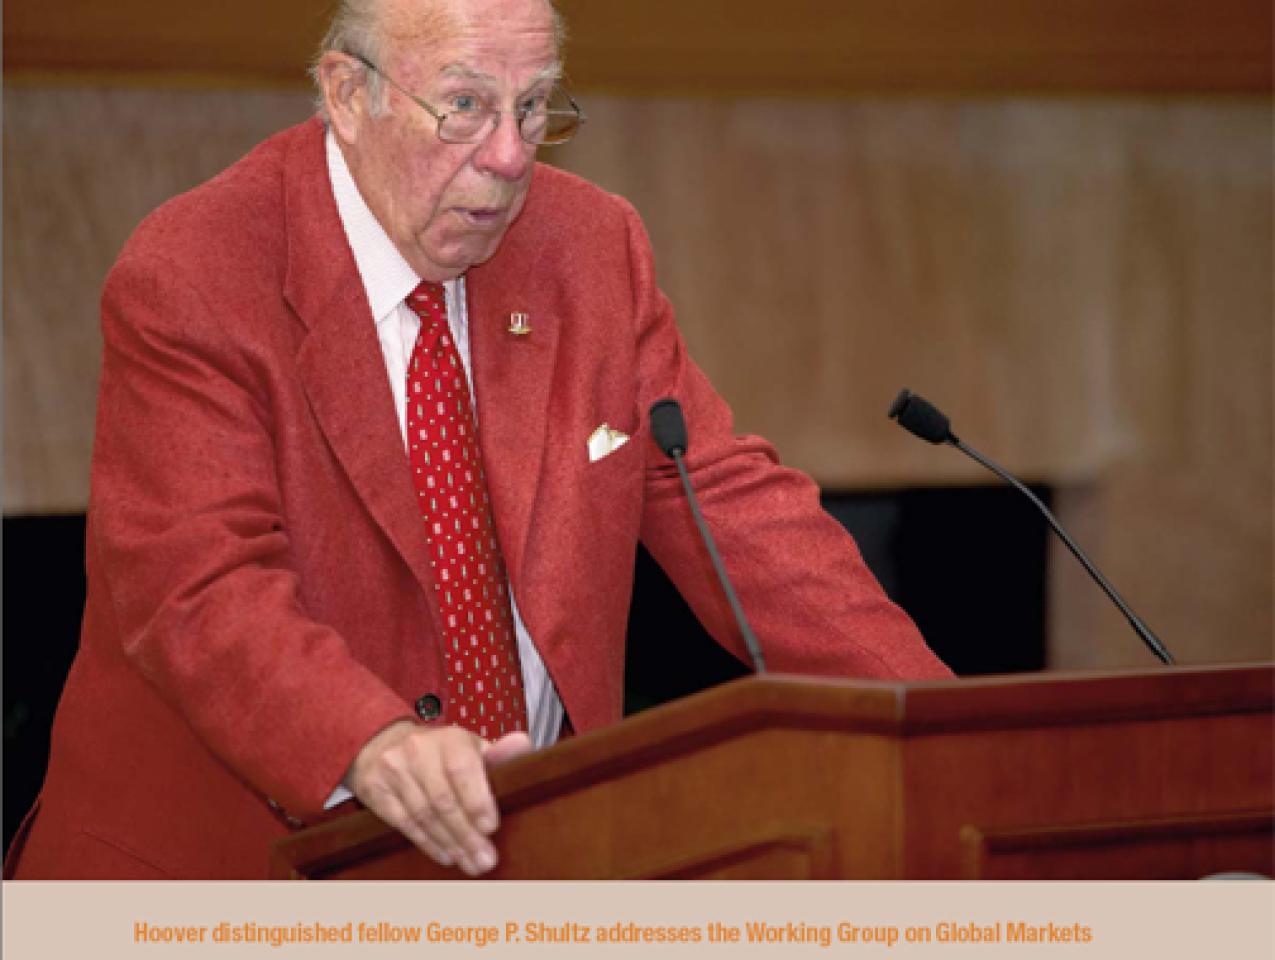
<point>447,206</point>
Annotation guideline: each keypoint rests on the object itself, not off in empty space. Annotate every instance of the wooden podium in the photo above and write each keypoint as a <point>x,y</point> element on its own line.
<point>1163,773</point>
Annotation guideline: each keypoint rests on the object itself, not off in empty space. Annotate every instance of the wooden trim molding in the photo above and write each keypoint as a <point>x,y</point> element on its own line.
<point>1157,848</point>
<point>747,48</point>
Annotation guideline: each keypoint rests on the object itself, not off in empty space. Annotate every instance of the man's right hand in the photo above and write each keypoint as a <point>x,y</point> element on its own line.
<point>431,785</point>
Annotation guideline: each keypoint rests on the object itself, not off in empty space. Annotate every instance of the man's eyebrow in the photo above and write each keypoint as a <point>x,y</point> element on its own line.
<point>468,73</point>
<point>552,72</point>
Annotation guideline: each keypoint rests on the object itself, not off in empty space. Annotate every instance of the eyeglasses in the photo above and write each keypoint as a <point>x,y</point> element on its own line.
<point>543,119</point>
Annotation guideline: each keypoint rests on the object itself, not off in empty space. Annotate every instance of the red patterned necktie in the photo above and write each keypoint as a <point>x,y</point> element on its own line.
<point>469,573</point>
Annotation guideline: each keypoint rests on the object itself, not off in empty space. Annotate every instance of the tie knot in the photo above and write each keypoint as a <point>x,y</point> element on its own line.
<point>428,300</point>
<point>429,303</point>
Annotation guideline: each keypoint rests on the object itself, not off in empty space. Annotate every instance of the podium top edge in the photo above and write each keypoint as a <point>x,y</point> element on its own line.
<point>1046,698</point>
<point>896,709</point>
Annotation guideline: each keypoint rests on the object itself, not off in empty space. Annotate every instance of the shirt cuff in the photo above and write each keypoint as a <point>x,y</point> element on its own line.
<point>339,795</point>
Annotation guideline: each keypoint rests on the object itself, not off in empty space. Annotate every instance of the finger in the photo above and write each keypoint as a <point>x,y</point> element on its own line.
<point>426,819</point>
<point>468,774</point>
<point>508,747</point>
<point>462,800</point>
<point>389,808</point>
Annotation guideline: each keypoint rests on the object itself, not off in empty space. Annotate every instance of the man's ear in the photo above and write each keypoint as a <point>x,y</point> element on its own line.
<point>343,81</point>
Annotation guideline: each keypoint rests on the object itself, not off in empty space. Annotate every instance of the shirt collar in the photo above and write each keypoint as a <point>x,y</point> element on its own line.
<point>387,277</point>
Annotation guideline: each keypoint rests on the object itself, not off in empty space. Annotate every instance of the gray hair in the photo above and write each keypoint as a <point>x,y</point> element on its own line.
<point>356,30</point>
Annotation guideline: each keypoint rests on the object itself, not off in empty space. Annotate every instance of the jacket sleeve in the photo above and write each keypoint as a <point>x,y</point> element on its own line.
<point>810,599</point>
<point>187,521</point>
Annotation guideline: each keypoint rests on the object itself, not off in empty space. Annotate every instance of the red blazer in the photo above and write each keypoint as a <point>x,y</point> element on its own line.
<point>258,582</point>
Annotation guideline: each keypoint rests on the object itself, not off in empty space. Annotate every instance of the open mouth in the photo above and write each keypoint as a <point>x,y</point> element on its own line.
<point>482,216</point>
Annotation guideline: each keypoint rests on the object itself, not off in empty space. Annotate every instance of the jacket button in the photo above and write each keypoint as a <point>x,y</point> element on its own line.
<point>429,707</point>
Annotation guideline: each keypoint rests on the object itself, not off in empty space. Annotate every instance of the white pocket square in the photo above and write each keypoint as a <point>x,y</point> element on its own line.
<point>604,441</point>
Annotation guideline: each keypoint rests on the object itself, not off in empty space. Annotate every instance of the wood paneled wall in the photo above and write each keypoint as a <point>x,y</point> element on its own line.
<point>1011,258</point>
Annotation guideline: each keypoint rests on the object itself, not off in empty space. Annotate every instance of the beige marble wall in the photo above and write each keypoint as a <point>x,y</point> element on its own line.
<point>1085,285</point>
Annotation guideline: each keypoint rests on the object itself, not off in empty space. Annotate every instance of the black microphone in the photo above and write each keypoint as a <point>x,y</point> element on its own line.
<point>917,415</point>
<point>668,428</point>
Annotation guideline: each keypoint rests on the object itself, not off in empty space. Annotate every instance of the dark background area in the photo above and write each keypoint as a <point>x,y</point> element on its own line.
<point>967,563</point>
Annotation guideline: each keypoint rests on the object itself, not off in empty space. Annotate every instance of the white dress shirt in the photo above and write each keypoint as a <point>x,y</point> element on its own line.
<point>388,279</point>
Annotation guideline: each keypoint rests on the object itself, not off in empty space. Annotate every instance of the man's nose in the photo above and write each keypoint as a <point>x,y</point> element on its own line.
<point>504,153</point>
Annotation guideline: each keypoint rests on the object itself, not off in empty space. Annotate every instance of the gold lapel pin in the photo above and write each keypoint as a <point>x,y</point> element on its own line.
<point>519,325</point>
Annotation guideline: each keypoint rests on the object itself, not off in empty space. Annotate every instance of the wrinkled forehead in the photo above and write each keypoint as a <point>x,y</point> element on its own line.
<point>484,37</point>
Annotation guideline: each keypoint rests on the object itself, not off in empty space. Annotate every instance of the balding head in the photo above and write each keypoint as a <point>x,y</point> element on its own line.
<point>361,27</point>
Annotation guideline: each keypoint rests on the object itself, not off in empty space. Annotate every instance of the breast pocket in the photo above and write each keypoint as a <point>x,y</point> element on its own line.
<point>611,485</point>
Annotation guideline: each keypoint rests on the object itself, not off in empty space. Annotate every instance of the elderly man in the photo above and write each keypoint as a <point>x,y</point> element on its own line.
<point>372,461</point>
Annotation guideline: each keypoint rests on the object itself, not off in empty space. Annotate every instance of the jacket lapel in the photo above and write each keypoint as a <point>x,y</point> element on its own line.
<point>340,363</point>
<point>513,376</point>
